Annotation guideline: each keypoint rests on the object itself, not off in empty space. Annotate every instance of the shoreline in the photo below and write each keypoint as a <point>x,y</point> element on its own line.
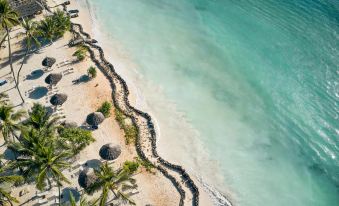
<point>139,119</point>
<point>209,195</point>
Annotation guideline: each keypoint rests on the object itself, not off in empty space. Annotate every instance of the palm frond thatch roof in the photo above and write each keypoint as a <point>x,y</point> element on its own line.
<point>95,118</point>
<point>48,61</point>
<point>69,124</point>
<point>87,177</point>
<point>110,152</point>
<point>58,99</point>
<point>53,78</point>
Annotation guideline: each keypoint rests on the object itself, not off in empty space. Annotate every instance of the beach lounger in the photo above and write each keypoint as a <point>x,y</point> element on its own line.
<point>42,201</point>
<point>3,82</point>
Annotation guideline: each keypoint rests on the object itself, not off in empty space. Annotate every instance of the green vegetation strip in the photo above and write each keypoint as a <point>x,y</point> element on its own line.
<point>130,130</point>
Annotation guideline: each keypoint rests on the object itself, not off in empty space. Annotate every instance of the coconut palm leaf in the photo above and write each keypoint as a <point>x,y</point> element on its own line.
<point>9,121</point>
<point>42,161</point>
<point>31,34</point>
<point>6,178</point>
<point>83,201</point>
<point>114,181</point>
<point>40,119</point>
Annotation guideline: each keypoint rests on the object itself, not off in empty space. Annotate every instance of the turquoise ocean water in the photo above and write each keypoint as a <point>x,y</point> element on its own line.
<point>257,80</point>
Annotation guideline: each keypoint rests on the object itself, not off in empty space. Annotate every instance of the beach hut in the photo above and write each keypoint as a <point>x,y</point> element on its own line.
<point>87,177</point>
<point>53,79</point>
<point>58,99</point>
<point>110,152</point>
<point>95,118</point>
<point>48,62</point>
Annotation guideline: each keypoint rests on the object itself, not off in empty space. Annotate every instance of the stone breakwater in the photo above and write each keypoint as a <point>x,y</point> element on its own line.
<point>146,139</point>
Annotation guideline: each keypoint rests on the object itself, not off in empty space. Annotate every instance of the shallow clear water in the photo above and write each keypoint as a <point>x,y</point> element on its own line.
<point>258,82</point>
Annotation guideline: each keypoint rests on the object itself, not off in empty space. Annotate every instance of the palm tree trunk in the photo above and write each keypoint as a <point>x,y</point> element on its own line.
<point>59,193</point>
<point>11,63</point>
<point>10,53</point>
<point>49,183</point>
<point>3,39</point>
<point>22,64</point>
<point>18,76</point>
<point>10,202</point>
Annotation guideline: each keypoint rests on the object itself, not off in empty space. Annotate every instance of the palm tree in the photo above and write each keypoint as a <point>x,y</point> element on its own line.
<point>9,121</point>
<point>47,29</point>
<point>43,161</point>
<point>83,201</point>
<point>5,196</point>
<point>31,38</point>
<point>8,18</point>
<point>114,181</point>
<point>62,22</point>
<point>40,119</point>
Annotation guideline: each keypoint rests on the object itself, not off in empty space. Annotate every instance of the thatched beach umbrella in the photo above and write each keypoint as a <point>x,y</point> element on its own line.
<point>69,124</point>
<point>87,177</point>
<point>58,99</point>
<point>95,118</point>
<point>53,79</point>
<point>48,61</point>
<point>110,151</point>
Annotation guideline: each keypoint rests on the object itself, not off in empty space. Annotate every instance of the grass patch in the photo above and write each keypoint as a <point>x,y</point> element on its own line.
<point>146,164</point>
<point>130,130</point>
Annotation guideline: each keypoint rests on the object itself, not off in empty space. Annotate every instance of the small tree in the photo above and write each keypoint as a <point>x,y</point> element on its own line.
<point>105,109</point>
<point>92,72</point>
<point>80,53</point>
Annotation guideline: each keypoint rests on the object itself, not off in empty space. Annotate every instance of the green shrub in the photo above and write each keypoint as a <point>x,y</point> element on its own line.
<point>130,166</point>
<point>80,53</point>
<point>92,72</point>
<point>105,109</point>
<point>146,164</point>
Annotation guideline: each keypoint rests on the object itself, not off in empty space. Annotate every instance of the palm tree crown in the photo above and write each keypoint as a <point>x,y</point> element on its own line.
<point>40,119</point>
<point>31,33</point>
<point>114,181</point>
<point>42,160</point>
<point>5,196</point>
<point>9,121</point>
<point>8,17</point>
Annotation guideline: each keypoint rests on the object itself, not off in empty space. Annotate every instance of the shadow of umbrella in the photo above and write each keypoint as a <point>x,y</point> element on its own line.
<point>66,197</point>
<point>36,74</point>
<point>93,163</point>
<point>50,110</point>
<point>9,154</point>
<point>38,93</point>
